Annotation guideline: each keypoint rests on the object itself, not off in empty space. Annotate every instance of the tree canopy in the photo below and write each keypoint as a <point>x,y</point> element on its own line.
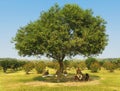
<point>63,31</point>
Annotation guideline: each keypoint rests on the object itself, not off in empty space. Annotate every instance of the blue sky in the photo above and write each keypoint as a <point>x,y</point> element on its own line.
<point>17,13</point>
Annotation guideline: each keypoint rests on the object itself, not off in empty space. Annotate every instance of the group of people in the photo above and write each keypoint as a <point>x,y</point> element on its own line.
<point>79,75</point>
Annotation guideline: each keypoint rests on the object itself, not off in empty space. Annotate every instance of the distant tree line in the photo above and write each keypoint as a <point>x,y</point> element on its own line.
<point>92,64</point>
<point>11,63</point>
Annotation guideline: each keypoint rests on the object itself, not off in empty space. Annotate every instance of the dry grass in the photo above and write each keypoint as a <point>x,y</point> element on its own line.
<point>41,83</point>
<point>19,81</point>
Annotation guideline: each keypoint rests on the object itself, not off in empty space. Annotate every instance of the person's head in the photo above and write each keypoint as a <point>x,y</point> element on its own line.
<point>87,74</point>
<point>78,68</point>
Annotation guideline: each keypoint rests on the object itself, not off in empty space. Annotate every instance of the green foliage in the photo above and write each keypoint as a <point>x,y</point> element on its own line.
<point>66,63</point>
<point>101,62</point>
<point>0,68</point>
<point>11,63</point>
<point>82,65</point>
<point>39,67</point>
<point>109,66</point>
<point>62,31</point>
<point>95,67</point>
<point>53,64</point>
<point>21,63</point>
<point>28,67</point>
<point>89,61</point>
<point>74,64</point>
<point>14,64</point>
<point>117,62</point>
<point>6,63</point>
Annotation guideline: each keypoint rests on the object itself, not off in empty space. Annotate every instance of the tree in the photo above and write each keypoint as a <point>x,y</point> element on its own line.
<point>7,63</point>
<point>82,65</point>
<point>28,67</point>
<point>95,66</point>
<point>53,65</point>
<point>108,65</point>
<point>90,61</point>
<point>62,31</point>
<point>66,64</point>
<point>40,66</point>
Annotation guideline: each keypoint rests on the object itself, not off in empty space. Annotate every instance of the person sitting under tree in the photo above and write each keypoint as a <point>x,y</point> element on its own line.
<point>79,74</point>
<point>65,73</point>
<point>86,77</point>
<point>46,73</point>
<point>78,71</point>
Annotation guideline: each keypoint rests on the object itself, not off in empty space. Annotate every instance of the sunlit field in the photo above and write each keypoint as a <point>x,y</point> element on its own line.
<point>19,81</point>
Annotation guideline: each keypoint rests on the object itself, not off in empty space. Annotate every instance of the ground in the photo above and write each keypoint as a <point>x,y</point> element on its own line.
<point>19,81</point>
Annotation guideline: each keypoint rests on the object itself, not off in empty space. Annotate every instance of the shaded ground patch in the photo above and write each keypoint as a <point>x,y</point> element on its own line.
<point>69,78</point>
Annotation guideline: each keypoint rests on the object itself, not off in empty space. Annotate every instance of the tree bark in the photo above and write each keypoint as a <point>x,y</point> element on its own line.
<point>60,61</point>
<point>61,66</point>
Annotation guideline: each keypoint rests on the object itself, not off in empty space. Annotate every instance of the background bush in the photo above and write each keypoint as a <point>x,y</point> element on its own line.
<point>53,64</point>
<point>28,67</point>
<point>40,66</point>
<point>95,67</point>
<point>82,65</point>
<point>109,66</point>
<point>93,64</point>
<point>89,61</point>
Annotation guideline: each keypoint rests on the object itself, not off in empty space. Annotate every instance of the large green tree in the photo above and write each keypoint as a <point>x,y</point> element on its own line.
<point>62,31</point>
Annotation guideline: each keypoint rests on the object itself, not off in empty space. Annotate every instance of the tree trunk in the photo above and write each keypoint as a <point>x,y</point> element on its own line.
<point>61,66</point>
<point>4,69</point>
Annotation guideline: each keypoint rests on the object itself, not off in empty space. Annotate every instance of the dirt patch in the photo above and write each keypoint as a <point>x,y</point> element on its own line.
<point>40,83</point>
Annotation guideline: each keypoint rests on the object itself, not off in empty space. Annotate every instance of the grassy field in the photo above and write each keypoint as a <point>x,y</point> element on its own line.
<point>19,81</point>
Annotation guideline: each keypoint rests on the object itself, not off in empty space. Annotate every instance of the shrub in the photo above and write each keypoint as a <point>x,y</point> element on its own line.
<point>14,64</point>
<point>66,63</point>
<point>5,64</point>
<point>74,64</point>
<point>95,67</point>
<point>10,63</point>
<point>109,66</point>
<point>89,61</point>
<point>53,64</point>
<point>28,67</point>
<point>0,68</point>
<point>118,63</point>
<point>21,64</point>
<point>39,67</point>
<point>101,62</point>
<point>82,65</point>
